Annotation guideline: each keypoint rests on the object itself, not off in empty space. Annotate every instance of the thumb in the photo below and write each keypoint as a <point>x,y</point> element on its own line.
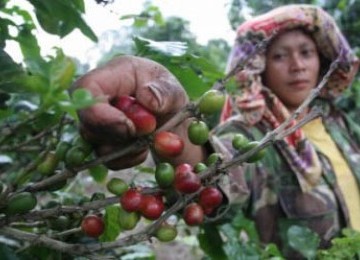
<point>162,96</point>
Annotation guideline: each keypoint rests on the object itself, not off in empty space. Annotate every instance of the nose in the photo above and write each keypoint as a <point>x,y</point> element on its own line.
<point>297,63</point>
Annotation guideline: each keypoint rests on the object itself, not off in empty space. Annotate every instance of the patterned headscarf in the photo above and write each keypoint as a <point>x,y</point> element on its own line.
<point>256,102</point>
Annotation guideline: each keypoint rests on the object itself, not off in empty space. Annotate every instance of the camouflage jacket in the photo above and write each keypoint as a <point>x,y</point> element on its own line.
<point>269,193</point>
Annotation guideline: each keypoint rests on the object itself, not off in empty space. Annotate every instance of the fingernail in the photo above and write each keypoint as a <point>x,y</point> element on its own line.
<point>156,91</point>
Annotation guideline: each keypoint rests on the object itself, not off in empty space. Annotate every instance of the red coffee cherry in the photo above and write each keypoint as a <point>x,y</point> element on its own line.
<point>151,207</point>
<point>193,214</point>
<point>143,119</point>
<point>186,181</point>
<point>131,200</point>
<point>123,103</point>
<point>168,144</point>
<point>183,167</point>
<point>92,225</point>
<point>210,197</point>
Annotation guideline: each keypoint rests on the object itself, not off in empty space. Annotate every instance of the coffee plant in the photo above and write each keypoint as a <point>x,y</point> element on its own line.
<point>57,199</point>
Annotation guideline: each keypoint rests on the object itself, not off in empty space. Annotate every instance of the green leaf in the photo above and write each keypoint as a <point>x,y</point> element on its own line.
<point>82,98</point>
<point>191,82</point>
<point>46,120</point>
<point>62,71</point>
<point>273,252</point>
<point>62,17</point>
<point>4,31</point>
<point>13,78</point>
<point>8,69</point>
<point>303,240</point>
<point>240,222</point>
<point>99,173</point>
<point>208,237</point>
<point>112,227</point>
<point>235,247</point>
<point>7,253</point>
<point>25,15</point>
<point>79,5</point>
<point>31,51</point>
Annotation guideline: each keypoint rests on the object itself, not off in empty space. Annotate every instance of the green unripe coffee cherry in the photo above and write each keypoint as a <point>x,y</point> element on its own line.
<point>59,223</point>
<point>128,220</point>
<point>198,132</point>
<point>49,164</point>
<point>166,233</point>
<point>20,203</point>
<point>211,102</point>
<point>80,142</point>
<point>199,167</point>
<point>212,159</point>
<point>61,149</point>
<point>164,174</point>
<point>257,156</point>
<point>74,156</point>
<point>240,141</point>
<point>117,186</point>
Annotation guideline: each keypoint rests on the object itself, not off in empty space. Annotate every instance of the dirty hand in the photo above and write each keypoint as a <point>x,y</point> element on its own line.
<point>107,127</point>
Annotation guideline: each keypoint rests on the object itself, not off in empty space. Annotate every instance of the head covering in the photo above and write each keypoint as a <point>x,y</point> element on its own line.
<point>256,103</point>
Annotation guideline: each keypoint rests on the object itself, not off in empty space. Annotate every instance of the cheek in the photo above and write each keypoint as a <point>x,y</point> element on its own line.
<point>274,76</point>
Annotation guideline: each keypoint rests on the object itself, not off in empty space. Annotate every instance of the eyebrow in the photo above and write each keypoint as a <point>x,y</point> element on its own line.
<point>286,47</point>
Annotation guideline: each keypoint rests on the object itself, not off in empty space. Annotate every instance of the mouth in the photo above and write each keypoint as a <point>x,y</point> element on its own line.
<point>299,84</point>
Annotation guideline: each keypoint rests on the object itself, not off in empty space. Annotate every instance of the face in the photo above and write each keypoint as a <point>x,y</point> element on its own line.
<point>292,67</point>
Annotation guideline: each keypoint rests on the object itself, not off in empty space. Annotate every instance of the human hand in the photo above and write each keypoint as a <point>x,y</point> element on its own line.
<point>108,128</point>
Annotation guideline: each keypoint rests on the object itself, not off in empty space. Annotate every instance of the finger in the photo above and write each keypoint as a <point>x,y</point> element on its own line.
<point>163,96</point>
<point>159,90</point>
<point>123,162</point>
<point>104,123</point>
<point>116,78</point>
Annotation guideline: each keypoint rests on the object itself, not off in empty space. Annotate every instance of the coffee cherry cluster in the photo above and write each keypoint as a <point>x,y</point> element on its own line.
<point>148,205</point>
<point>241,143</point>
<point>166,144</point>
<point>183,179</point>
<point>143,119</point>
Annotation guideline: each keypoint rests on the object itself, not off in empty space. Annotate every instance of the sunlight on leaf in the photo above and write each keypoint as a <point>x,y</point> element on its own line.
<point>166,47</point>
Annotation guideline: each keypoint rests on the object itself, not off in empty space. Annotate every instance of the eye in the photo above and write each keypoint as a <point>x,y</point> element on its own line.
<point>277,56</point>
<point>308,52</point>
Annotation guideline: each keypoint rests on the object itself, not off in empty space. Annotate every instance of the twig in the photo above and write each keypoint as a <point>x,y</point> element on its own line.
<point>67,232</point>
<point>57,211</point>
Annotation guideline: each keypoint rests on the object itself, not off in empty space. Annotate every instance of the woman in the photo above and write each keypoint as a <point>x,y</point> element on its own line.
<point>311,177</point>
<point>298,182</point>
